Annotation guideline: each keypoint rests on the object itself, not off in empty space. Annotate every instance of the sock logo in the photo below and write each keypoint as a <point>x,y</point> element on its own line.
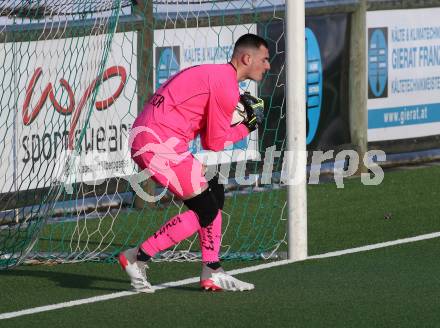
<point>173,222</point>
<point>208,240</point>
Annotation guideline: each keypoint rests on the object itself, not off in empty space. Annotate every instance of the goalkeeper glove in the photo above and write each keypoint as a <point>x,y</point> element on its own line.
<point>254,110</point>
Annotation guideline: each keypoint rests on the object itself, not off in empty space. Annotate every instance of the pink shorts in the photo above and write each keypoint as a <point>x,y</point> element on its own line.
<point>182,174</point>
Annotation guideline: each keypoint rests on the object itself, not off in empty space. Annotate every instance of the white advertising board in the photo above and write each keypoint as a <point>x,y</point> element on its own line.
<point>176,49</point>
<point>61,90</point>
<point>403,74</point>
<point>7,115</point>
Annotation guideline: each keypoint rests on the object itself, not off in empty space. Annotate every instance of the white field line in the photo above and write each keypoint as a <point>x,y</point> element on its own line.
<point>106,297</point>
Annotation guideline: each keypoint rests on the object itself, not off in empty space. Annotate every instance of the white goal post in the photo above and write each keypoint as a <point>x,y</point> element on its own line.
<point>296,130</point>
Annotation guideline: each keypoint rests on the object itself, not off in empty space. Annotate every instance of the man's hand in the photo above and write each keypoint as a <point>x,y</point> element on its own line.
<point>254,109</point>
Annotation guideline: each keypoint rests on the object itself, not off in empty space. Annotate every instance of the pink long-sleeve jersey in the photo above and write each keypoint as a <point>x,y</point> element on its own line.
<point>197,100</point>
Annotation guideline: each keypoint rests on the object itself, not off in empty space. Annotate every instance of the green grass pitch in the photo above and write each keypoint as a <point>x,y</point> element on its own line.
<point>390,287</point>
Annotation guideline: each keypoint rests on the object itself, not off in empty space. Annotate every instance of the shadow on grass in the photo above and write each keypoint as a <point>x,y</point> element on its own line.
<point>193,288</point>
<point>70,280</point>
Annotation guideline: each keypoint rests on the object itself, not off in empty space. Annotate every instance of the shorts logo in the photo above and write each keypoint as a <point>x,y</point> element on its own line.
<point>377,62</point>
<point>313,84</point>
<point>167,63</point>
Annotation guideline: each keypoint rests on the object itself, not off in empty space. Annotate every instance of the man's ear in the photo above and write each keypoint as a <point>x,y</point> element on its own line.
<point>246,59</point>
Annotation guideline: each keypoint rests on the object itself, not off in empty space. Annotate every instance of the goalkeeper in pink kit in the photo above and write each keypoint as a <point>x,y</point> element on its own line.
<point>199,100</point>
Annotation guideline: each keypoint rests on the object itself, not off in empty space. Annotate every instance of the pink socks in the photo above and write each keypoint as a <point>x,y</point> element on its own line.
<point>183,226</point>
<point>210,239</point>
<point>175,230</point>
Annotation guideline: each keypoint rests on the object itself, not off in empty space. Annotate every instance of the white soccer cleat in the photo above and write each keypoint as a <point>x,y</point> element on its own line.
<point>135,270</point>
<point>217,280</point>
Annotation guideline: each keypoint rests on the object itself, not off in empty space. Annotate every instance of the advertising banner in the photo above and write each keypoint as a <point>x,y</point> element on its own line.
<point>403,74</point>
<point>327,59</point>
<point>176,49</point>
<point>64,105</point>
<point>7,118</point>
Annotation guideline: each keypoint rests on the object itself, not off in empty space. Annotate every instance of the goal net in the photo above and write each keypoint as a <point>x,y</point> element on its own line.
<point>75,74</point>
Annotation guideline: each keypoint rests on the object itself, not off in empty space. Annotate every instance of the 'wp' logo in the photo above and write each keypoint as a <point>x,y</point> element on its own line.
<point>29,117</point>
<point>377,62</point>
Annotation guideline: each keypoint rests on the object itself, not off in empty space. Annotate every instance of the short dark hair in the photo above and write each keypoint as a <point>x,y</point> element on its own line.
<point>250,41</point>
